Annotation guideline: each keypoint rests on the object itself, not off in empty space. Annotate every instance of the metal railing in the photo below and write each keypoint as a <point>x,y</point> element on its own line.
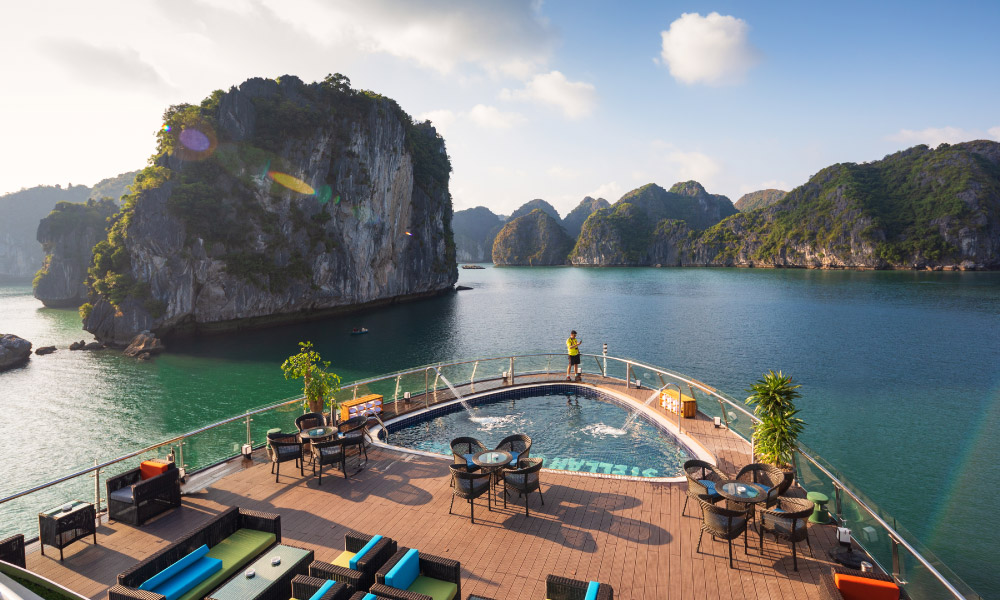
<point>735,416</point>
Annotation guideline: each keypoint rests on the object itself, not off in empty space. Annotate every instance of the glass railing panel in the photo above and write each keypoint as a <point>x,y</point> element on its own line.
<point>536,365</point>
<point>213,445</point>
<point>920,582</point>
<point>281,417</point>
<point>616,368</point>
<point>412,383</point>
<point>865,529</point>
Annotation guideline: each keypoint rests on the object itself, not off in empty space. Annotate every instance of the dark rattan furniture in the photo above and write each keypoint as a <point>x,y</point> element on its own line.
<point>210,534</point>
<point>12,550</point>
<point>364,576</point>
<point>60,528</point>
<point>469,485</point>
<point>464,448</point>
<point>134,500</point>
<point>767,476</point>
<point>828,588</point>
<point>788,520</point>
<point>270,582</point>
<point>354,437</point>
<point>725,523</point>
<point>702,477</point>
<point>284,447</point>
<point>563,588</point>
<point>310,420</point>
<point>430,566</point>
<point>524,480</point>
<point>517,445</point>
<point>328,453</point>
<point>304,587</point>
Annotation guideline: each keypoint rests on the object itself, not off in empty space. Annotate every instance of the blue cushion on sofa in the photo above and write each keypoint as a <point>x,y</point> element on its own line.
<point>371,544</point>
<point>592,591</point>
<point>369,596</point>
<point>322,590</point>
<point>174,569</point>
<point>403,573</point>
<point>181,583</point>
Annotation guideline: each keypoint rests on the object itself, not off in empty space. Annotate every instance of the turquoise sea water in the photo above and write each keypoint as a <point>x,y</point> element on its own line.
<point>900,372</point>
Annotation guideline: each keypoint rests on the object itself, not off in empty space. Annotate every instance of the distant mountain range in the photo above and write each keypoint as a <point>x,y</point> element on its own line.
<point>20,213</point>
<point>920,208</point>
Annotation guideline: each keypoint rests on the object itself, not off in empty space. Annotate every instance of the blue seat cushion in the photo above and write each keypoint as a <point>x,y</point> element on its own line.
<point>709,487</point>
<point>468,461</point>
<point>174,569</point>
<point>181,583</point>
<point>404,572</point>
<point>592,591</point>
<point>122,495</point>
<point>369,596</point>
<point>371,544</point>
<point>322,590</point>
<point>513,457</point>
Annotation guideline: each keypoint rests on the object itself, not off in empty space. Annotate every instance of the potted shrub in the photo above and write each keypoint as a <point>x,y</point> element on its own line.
<point>775,438</point>
<point>319,384</point>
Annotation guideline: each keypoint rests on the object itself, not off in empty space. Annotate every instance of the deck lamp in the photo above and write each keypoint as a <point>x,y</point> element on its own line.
<point>717,421</point>
<point>406,397</point>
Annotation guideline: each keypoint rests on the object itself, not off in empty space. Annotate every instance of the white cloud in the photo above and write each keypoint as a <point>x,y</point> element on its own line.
<point>934,136</point>
<point>610,191</point>
<point>116,67</point>
<point>442,119</point>
<point>561,172</point>
<point>490,117</point>
<point>576,99</point>
<point>694,165</point>
<point>712,50</point>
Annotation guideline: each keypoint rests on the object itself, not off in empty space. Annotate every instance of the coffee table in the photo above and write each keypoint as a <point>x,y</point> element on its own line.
<point>739,491</point>
<point>270,582</point>
<point>60,528</point>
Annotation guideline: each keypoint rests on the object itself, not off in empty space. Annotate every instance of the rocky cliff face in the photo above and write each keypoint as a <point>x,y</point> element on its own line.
<point>68,236</point>
<point>534,239</point>
<point>276,201</point>
<point>531,205</point>
<point>759,199</point>
<point>573,222</point>
<point>475,229</point>
<point>920,208</point>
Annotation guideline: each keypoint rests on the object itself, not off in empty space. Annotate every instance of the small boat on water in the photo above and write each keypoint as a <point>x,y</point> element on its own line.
<point>473,267</point>
<point>357,331</point>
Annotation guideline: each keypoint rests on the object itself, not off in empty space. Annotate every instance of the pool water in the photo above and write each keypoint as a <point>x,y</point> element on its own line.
<point>572,428</point>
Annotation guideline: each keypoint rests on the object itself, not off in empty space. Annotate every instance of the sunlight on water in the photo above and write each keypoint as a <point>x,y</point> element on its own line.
<point>602,430</point>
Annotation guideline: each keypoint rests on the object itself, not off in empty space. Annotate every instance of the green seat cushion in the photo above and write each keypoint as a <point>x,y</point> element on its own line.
<point>344,560</point>
<point>435,588</point>
<point>235,551</point>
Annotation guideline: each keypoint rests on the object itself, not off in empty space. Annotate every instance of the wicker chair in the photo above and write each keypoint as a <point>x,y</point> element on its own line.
<point>430,566</point>
<point>364,576</point>
<point>284,447</point>
<point>464,448</point>
<point>469,485</point>
<point>563,588</point>
<point>310,420</point>
<point>702,477</point>
<point>788,520</point>
<point>328,453</point>
<point>134,500</point>
<point>304,586</point>
<point>725,523</point>
<point>519,446</point>
<point>768,476</point>
<point>524,479</point>
<point>828,587</point>
<point>12,550</point>
<point>354,430</point>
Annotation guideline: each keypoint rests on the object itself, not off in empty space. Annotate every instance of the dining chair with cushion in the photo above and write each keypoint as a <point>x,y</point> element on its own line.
<point>724,523</point>
<point>767,476</point>
<point>469,485</point>
<point>518,445</point>
<point>328,453</point>
<point>701,478</point>
<point>523,479</point>
<point>464,448</point>
<point>310,420</point>
<point>284,447</point>
<point>788,519</point>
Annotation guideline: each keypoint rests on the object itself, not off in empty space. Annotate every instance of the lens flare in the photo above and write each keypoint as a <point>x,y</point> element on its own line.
<point>293,183</point>
<point>165,128</point>
<point>337,199</point>
<point>323,194</point>
<point>194,140</point>
<point>409,234</point>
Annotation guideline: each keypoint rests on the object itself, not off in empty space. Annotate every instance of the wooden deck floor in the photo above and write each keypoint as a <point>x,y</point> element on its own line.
<point>630,534</point>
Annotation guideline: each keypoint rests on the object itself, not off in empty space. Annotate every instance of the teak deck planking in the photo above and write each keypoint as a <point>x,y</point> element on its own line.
<point>619,531</point>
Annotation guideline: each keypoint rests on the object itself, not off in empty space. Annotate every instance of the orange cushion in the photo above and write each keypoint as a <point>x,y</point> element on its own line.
<point>853,587</point>
<point>152,468</point>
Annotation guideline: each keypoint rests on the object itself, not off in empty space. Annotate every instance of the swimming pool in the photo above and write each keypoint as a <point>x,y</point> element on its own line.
<point>574,428</point>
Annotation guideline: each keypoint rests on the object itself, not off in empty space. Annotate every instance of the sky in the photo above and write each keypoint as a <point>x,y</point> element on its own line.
<point>535,99</point>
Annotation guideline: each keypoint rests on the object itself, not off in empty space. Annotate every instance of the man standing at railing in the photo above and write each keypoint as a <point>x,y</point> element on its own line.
<point>573,349</point>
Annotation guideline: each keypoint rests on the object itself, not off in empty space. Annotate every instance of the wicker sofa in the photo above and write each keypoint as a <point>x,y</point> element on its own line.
<point>134,500</point>
<point>235,537</point>
<point>305,587</point>
<point>563,588</point>
<point>433,568</point>
<point>12,550</point>
<point>363,576</point>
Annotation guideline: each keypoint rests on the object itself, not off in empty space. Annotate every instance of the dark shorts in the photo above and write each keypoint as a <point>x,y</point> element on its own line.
<point>574,359</point>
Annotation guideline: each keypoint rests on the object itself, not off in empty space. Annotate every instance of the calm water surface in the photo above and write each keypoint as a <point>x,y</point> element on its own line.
<point>900,372</point>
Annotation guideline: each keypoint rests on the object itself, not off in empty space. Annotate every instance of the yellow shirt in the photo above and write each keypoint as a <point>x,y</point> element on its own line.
<point>573,350</point>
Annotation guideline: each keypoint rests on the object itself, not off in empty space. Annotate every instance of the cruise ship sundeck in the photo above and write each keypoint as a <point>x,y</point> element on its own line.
<point>625,519</point>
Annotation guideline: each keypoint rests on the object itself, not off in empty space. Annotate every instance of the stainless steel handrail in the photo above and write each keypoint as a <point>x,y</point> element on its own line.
<point>630,365</point>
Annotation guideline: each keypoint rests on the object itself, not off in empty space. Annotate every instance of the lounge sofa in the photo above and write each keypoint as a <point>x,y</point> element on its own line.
<point>134,500</point>
<point>12,550</point>
<point>410,575</point>
<point>313,588</point>
<point>366,553</point>
<point>563,588</point>
<point>233,539</point>
<point>849,584</point>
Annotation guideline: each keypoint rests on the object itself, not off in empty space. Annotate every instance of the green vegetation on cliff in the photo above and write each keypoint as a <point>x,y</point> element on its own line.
<point>574,221</point>
<point>534,239</point>
<point>759,199</point>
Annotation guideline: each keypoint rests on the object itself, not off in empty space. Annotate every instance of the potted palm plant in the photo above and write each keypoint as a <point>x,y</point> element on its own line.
<point>319,385</point>
<point>775,437</point>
